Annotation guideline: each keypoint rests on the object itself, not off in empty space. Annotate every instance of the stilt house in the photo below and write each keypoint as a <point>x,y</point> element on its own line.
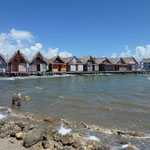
<point>131,63</point>
<point>89,64</point>
<point>118,64</point>
<point>57,64</point>
<point>104,64</point>
<point>18,62</point>
<point>38,63</point>
<point>73,64</point>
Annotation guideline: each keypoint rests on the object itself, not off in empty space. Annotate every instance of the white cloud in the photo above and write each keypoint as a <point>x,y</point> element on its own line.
<point>114,55</point>
<point>20,35</point>
<point>52,52</point>
<point>65,54</point>
<point>22,40</point>
<point>139,53</point>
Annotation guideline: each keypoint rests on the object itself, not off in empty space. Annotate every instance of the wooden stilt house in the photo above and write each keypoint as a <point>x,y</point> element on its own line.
<point>89,64</point>
<point>3,63</point>
<point>104,64</point>
<point>38,63</point>
<point>18,62</point>
<point>57,64</point>
<point>73,64</point>
<point>131,63</point>
<point>118,64</point>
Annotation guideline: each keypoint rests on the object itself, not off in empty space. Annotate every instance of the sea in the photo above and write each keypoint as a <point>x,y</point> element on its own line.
<point>113,102</point>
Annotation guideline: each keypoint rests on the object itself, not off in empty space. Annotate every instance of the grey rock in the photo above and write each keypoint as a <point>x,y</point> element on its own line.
<point>32,137</point>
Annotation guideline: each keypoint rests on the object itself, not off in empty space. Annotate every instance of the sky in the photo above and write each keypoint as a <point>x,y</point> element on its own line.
<point>101,28</point>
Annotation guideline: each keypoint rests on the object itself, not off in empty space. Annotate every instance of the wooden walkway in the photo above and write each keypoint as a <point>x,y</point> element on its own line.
<point>16,74</point>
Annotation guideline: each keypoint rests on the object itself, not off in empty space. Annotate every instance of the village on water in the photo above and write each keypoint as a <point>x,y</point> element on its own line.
<point>19,63</point>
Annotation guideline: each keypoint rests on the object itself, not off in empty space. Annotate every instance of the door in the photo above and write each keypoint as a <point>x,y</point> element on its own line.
<point>38,67</point>
<point>15,67</point>
<point>76,67</point>
<point>59,67</point>
<point>72,68</point>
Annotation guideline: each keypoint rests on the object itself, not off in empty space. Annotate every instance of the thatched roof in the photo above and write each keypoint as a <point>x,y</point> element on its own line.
<point>117,61</point>
<point>130,60</point>
<point>84,60</point>
<point>69,59</point>
<point>39,54</point>
<point>19,52</point>
<point>52,60</point>
<point>145,60</point>
<point>3,57</point>
<point>102,60</point>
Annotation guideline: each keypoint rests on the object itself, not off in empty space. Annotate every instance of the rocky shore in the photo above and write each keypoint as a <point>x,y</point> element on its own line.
<point>21,135</point>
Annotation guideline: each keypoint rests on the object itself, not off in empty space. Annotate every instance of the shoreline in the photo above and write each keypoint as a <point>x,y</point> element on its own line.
<point>67,127</point>
<point>21,135</point>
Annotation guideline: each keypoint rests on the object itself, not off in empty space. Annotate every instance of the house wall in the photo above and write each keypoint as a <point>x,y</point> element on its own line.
<point>43,67</point>
<point>72,67</point>
<point>56,67</point>
<point>90,68</point>
<point>33,67</point>
<point>96,67</point>
<point>22,67</point>
<point>145,66</point>
<point>108,68</point>
<point>63,68</point>
<point>123,68</point>
<point>80,67</point>
<point>3,65</point>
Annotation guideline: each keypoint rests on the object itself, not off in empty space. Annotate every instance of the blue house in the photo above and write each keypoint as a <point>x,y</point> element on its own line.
<point>3,63</point>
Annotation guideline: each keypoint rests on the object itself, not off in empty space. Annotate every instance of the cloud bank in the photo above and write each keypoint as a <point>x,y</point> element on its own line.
<point>25,41</point>
<point>139,53</point>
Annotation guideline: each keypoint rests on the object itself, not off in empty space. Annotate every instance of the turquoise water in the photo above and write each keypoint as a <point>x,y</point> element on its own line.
<point>114,101</point>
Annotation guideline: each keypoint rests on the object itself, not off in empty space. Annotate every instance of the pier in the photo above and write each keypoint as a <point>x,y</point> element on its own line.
<point>25,74</point>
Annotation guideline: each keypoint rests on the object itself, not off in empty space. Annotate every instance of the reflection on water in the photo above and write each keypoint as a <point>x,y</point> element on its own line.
<point>118,101</point>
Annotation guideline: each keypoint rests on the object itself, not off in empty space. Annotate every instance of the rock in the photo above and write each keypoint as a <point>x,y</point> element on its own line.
<point>57,137</point>
<point>70,138</point>
<point>15,130</point>
<point>79,142</point>
<point>68,148</point>
<point>93,144</point>
<point>50,144</point>
<point>12,140</point>
<point>2,122</point>
<point>32,137</point>
<point>131,147</point>
<point>82,148</point>
<point>11,124</point>
<point>50,131</point>
<point>22,124</point>
<point>28,127</point>
<point>19,136</point>
<point>4,134</point>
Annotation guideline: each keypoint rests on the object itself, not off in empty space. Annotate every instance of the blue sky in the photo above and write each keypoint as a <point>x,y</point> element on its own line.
<point>81,27</point>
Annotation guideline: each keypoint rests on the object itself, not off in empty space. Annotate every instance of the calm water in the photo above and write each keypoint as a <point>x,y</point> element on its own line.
<point>115,101</point>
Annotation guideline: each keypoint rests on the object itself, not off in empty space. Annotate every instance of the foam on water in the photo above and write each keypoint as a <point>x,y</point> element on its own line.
<point>2,107</point>
<point>122,146</point>
<point>40,88</point>
<point>62,130</point>
<point>2,116</point>
<point>92,137</point>
<point>32,77</point>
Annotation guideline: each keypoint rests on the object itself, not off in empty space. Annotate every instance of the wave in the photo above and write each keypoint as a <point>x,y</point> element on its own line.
<point>2,116</point>
<point>40,88</point>
<point>62,130</point>
<point>32,77</point>
<point>92,137</point>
